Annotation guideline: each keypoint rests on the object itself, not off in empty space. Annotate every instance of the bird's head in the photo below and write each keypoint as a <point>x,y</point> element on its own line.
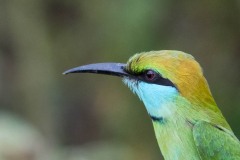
<point>159,78</point>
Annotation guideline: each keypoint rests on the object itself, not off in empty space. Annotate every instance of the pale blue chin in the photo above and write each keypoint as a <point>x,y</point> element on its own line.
<point>158,99</point>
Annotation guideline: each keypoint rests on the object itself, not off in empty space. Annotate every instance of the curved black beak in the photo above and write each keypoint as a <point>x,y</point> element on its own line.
<point>115,69</point>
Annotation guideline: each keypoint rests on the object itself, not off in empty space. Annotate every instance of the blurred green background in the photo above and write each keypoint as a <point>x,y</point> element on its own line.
<point>47,116</point>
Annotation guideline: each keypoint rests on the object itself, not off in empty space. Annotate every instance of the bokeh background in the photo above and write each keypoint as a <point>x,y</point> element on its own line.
<point>47,116</point>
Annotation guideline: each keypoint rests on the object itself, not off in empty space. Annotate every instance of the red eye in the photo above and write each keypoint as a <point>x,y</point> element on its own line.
<point>150,75</point>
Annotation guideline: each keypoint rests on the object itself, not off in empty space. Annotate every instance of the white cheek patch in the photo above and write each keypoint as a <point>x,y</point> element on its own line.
<point>157,99</point>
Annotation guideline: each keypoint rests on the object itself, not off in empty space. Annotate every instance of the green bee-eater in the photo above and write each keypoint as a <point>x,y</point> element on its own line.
<point>187,122</point>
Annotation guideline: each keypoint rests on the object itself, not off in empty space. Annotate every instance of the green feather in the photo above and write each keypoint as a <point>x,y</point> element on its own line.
<point>215,143</point>
<point>195,129</point>
<point>187,122</point>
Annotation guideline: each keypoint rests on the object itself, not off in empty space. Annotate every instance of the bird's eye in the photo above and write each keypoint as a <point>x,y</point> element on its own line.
<point>150,75</point>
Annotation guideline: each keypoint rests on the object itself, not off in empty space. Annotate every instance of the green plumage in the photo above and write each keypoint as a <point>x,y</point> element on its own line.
<point>187,122</point>
<point>193,128</point>
<point>214,142</point>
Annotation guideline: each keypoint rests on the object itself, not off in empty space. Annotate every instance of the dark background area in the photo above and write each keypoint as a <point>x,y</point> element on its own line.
<point>45,115</point>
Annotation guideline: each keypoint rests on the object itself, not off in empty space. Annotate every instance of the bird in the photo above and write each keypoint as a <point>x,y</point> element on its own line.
<point>187,122</point>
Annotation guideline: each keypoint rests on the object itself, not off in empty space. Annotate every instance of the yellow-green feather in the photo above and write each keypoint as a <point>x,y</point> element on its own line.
<point>178,136</point>
<point>181,69</point>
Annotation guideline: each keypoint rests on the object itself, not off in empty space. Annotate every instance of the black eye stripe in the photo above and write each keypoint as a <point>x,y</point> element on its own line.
<point>158,79</point>
<point>151,76</point>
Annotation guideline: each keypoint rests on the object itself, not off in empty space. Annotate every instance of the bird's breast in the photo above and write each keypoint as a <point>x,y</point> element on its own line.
<point>175,139</point>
